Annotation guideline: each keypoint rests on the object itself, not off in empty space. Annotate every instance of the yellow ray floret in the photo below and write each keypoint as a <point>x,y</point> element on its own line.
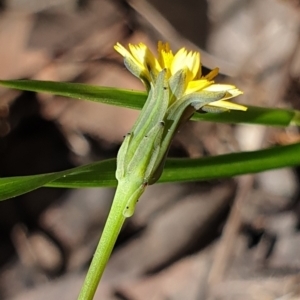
<point>144,64</point>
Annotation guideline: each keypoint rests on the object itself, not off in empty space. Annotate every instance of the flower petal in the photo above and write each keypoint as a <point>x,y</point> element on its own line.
<point>165,55</point>
<point>183,68</point>
<point>178,61</point>
<point>193,63</point>
<point>197,85</point>
<point>212,74</point>
<point>228,105</point>
<point>221,87</point>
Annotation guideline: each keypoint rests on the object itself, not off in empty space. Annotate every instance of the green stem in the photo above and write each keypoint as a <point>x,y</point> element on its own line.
<point>296,118</point>
<point>107,241</point>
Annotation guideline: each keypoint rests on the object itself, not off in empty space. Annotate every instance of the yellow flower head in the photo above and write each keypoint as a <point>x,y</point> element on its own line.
<point>141,62</point>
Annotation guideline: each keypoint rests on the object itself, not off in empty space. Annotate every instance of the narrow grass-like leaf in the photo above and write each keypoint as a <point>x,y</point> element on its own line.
<point>136,100</point>
<point>15,186</point>
<point>102,174</point>
<point>254,115</point>
<point>215,167</point>
<point>107,95</point>
<point>229,165</point>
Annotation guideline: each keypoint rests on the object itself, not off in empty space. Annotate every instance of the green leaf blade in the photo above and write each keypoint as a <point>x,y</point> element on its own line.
<point>97,174</point>
<point>106,95</point>
<point>136,99</point>
<point>14,186</point>
<point>254,115</point>
<point>230,165</point>
<point>102,174</point>
<point>207,168</point>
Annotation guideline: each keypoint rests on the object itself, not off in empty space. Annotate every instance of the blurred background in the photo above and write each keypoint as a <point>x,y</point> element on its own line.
<point>227,239</point>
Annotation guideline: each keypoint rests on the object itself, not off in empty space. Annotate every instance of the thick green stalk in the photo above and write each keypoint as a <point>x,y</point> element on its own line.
<point>110,233</point>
